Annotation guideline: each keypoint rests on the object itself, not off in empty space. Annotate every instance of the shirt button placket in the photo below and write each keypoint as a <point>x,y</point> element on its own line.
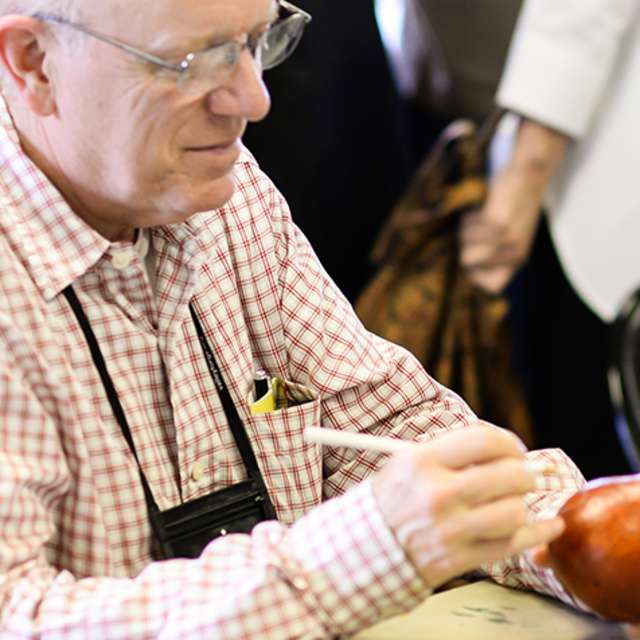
<point>121,259</point>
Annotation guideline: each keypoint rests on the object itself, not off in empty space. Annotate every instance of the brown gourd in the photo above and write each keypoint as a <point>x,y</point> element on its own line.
<point>597,558</point>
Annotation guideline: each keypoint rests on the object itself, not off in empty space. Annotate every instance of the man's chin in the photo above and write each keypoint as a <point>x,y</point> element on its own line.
<point>222,191</point>
<point>191,197</point>
<point>213,195</point>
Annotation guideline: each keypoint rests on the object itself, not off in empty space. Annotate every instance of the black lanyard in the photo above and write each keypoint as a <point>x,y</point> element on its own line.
<point>231,413</point>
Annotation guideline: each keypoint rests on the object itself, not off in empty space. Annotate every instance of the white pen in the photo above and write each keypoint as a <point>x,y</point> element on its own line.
<point>365,442</point>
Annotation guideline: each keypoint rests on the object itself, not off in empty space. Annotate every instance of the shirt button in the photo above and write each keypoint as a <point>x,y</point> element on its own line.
<point>121,259</point>
<point>300,583</point>
<point>197,471</point>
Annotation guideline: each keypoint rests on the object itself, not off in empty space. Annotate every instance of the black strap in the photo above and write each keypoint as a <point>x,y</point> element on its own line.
<point>234,420</point>
<point>231,413</point>
<point>110,390</point>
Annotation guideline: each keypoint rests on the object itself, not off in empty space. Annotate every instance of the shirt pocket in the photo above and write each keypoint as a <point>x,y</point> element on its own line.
<point>291,467</point>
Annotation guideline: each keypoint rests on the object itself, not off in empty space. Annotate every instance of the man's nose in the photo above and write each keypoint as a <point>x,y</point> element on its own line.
<point>244,95</point>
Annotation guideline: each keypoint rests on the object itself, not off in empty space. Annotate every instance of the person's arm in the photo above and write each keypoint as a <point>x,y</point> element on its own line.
<point>370,385</point>
<point>560,62</point>
<point>496,240</point>
<point>280,582</point>
<point>336,570</point>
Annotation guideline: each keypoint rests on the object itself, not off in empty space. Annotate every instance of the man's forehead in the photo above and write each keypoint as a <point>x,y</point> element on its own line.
<point>162,19</point>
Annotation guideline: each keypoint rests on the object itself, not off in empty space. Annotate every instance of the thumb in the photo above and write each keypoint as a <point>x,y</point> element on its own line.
<point>541,557</point>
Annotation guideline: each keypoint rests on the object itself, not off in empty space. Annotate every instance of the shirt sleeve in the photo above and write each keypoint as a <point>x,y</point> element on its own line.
<point>336,570</point>
<point>371,385</point>
<point>561,59</point>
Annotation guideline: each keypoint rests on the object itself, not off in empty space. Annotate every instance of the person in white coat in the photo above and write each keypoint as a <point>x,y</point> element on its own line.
<point>572,79</point>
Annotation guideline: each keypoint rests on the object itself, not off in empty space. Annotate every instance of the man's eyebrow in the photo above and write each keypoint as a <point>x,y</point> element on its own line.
<point>166,43</point>
<point>270,17</point>
<point>222,36</point>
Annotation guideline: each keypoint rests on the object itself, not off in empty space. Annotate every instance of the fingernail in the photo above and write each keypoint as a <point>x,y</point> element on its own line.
<point>558,525</point>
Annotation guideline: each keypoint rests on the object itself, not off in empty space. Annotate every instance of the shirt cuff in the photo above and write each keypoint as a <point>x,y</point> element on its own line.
<point>354,569</point>
<point>553,490</point>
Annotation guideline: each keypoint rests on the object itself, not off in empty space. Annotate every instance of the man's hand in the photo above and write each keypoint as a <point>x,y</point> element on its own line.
<point>497,239</point>
<point>457,502</point>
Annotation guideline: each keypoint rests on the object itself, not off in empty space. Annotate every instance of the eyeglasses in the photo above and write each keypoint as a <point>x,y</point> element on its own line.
<point>206,69</point>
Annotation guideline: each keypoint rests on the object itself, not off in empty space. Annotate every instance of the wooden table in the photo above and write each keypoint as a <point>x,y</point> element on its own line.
<point>486,611</point>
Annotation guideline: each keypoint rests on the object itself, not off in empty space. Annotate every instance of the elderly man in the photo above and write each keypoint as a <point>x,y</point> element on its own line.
<point>147,271</point>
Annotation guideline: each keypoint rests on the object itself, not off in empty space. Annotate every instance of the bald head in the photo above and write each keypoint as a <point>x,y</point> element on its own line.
<point>31,6</point>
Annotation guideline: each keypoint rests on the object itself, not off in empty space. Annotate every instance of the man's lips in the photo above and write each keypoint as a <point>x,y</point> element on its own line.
<point>221,147</point>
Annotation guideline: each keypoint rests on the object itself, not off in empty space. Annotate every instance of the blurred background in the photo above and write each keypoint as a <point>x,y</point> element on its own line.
<point>355,111</point>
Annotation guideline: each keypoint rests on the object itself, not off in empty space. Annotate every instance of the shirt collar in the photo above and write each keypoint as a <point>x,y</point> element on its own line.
<point>53,243</point>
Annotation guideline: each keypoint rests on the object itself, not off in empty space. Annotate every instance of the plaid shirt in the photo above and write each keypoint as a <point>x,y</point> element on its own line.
<point>74,536</point>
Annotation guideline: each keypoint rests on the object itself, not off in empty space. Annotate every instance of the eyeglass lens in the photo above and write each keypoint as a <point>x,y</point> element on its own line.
<point>213,68</point>
<point>281,41</point>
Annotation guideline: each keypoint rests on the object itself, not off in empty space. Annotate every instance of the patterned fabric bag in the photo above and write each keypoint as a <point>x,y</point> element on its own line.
<point>421,298</point>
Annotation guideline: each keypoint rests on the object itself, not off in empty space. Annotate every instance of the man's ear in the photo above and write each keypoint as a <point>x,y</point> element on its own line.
<point>22,56</point>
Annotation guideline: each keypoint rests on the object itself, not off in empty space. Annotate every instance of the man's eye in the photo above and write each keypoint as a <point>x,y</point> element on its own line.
<point>231,54</point>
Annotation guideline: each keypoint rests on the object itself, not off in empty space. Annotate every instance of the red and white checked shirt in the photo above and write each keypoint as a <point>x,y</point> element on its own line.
<point>74,538</point>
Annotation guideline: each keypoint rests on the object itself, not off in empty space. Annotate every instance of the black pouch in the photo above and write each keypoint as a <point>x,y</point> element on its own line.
<point>184,531</point>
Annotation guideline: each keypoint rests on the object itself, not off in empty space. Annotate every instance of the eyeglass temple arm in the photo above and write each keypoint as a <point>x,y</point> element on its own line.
<point>47,17</point>
<point>293,9</point>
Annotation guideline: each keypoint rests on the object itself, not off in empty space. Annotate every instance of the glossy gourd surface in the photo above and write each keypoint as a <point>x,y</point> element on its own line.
<point>597,558</point>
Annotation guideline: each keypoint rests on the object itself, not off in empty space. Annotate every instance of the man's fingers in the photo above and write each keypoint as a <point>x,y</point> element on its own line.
<point>532,535</point>
<point>487,482</point>
<point>536,533</point>
<point>472,556</point>
<point>541,557</point>
<point>473,445</point>
<point>493,521</point>
<point>521,446</point>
